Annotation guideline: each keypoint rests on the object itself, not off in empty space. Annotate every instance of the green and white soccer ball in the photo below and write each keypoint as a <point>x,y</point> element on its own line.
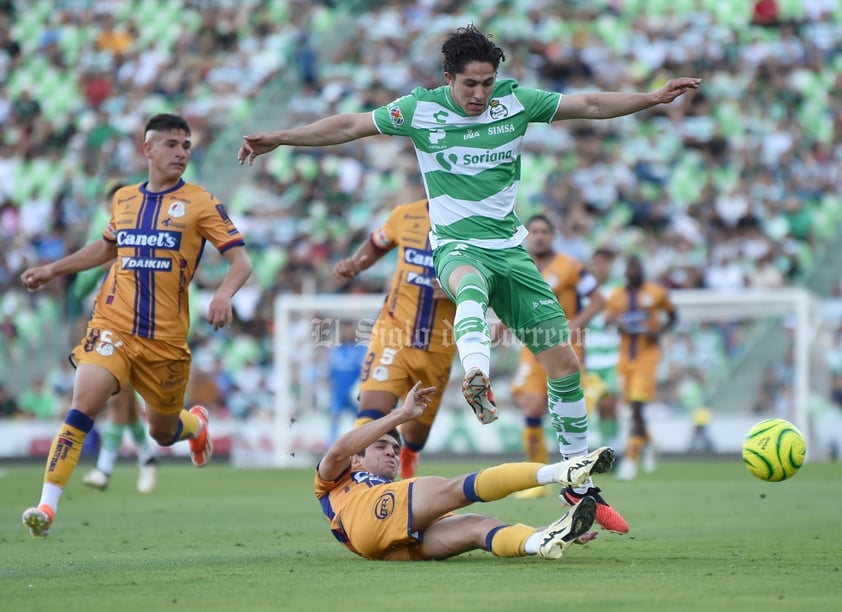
<point>773,450</point>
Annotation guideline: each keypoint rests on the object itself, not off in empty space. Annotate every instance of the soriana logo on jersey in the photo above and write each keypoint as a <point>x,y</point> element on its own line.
<point>156,239</point>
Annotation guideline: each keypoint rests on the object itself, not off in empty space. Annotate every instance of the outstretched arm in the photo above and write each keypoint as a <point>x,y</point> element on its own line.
<point>338,456</point>
<point>606,105</point>
<point>90,256</point>
<point>329,131</point>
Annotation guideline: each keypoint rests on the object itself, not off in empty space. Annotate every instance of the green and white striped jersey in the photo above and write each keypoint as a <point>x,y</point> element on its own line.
<point>470,165</point>
<point>603,341</point>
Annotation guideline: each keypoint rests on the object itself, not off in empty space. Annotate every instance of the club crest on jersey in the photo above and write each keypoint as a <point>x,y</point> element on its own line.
<point>395,115</point>
<point>176,209</point>
<point>384,506</point>
<point>106,349</point>
<point>497,109</point>
<point>380,374</point>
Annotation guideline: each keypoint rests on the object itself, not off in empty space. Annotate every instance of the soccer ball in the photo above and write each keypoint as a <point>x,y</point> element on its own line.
<point>773,450</point>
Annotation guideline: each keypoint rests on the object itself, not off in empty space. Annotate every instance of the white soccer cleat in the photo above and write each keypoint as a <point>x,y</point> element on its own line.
<point>96,479</point>
<point>562,533</point>
<point>147,478</point>
<point>577,471</point>
<point>476,388</point>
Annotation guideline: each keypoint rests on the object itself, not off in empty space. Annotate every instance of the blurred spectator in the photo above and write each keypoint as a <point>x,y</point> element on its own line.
<point>836,390</point>
<point>38,401</point>
<point>8,406</point>
<point>114,39</point>
<point>765,13</point>
<point>10,338</point>
<point>745,175</point>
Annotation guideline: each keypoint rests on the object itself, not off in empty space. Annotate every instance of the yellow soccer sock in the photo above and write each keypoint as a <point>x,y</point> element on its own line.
<point>509,540</point>
<point>189,425</point>
<point>534,446</point>
<point>502,480</point>
<point>636,444</point>
<point>367,416</point>
<point>67,448</point>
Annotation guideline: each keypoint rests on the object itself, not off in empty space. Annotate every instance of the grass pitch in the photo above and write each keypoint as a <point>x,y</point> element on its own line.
<point>705,535</point>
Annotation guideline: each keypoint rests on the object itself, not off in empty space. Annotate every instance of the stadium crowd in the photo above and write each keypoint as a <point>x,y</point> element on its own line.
<point>739,185</point>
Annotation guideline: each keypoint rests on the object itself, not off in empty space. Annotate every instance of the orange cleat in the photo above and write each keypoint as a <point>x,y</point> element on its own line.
<point>606,516</point>
<point>201,448</point>
<point>409,463</point>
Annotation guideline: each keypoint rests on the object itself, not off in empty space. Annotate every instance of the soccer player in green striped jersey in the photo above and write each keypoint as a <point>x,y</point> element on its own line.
<point>467,136</point>
<point>601,390</point>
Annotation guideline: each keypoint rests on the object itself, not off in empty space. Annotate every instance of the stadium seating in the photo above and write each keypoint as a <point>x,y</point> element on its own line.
<point>691,186</point>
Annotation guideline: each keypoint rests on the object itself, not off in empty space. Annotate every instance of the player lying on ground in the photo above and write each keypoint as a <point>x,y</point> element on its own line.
<point>413,519</point>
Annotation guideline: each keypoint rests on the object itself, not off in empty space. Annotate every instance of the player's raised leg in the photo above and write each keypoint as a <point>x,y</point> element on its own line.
<point>434,496</point>
<point>192,425</point>
<point>469,291</point>
<point>169,423</point>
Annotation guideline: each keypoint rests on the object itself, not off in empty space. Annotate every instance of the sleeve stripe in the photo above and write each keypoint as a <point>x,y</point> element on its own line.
<point>232,244</point>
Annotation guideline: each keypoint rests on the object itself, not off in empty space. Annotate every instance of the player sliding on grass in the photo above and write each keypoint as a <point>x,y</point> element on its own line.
<point>413,519</point>
<point>467,137</point>
<point>138,331</point>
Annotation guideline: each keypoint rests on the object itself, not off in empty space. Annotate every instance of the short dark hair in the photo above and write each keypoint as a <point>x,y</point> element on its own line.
<point>468,45</point>
<point>394,433</point>
<point>541,217</point>
<point>605,251</point>
<point>164,122</point>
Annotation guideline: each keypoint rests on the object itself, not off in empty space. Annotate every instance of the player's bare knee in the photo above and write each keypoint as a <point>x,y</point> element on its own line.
<point>477,527</point>
<point>559,361</point>
<point>163,433</point>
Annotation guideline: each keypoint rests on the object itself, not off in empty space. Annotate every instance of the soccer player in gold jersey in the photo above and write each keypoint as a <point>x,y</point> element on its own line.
<point>413,519</point>
<point>138,330</point>
<point>413,337</point>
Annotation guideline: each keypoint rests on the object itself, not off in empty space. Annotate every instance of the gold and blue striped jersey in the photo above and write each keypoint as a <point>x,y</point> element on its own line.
<point>160,238</point>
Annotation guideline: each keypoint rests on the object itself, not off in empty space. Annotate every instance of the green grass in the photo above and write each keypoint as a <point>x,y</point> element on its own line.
<point>705,536</point>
